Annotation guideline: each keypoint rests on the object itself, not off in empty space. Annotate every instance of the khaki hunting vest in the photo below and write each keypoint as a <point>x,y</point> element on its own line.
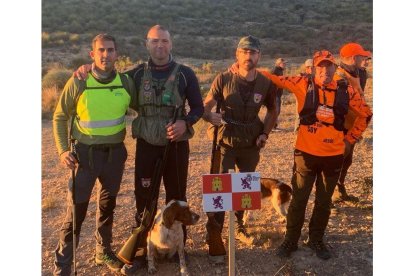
<point>157,100</point>
<point>243,124</point>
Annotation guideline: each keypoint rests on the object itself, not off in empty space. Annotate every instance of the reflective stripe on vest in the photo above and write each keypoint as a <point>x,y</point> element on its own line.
<point>101,107</point>
<point>106,123</point>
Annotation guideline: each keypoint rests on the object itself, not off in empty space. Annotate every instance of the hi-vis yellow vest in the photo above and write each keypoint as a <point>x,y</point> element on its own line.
<point>102,107</point>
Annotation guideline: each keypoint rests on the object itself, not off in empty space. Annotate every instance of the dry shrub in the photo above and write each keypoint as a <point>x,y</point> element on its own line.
<point>49,202</point>
<point>56,77</point>
<point>78,61</point>
<point>50,97</point>
<point>206,77</point>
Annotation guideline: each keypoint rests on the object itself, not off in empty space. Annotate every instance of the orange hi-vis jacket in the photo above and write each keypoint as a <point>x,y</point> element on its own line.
<point>341,73</point>
<point>322,139</point>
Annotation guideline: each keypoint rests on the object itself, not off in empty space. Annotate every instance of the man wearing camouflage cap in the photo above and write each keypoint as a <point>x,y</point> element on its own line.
<point>242,134</point>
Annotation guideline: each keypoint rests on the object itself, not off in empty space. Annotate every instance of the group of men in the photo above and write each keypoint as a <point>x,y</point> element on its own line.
<point>95,102</point>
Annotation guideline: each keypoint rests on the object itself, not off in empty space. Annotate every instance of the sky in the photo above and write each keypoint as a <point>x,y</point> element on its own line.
<point>20,137</point>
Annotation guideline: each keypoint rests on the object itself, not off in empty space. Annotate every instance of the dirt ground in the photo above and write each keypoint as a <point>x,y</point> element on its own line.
<point>349,235</point>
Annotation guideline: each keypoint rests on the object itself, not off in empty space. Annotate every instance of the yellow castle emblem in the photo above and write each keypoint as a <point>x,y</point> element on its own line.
<point>217,186</point>
<point>246,201</point>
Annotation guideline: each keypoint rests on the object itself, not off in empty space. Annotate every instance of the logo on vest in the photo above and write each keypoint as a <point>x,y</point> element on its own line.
<point>147,85</point>
<point>147,96</point>
<point>257,97</point>
<point>146,182</point>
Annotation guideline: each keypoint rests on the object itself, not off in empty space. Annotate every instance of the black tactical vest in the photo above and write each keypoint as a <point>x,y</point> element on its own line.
<point>340,108</point>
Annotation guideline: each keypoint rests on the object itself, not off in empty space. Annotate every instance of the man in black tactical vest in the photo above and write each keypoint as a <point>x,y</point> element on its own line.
<point>241,133</point>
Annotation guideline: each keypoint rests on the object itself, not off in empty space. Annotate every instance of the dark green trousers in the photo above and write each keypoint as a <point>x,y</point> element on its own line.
<point>323,171</point>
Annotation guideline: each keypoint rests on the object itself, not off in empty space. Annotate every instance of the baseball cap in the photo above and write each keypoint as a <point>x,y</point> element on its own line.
<point>322,55</point>
<point>353,49</point>
<point>249,42</point>
<point>309,62</point>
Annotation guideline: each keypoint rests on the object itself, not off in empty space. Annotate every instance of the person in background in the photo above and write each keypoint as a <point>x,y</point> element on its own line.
<point>278,70</point>
<point>308,68</point>
<point>353,58</point>
<point>308,71</point>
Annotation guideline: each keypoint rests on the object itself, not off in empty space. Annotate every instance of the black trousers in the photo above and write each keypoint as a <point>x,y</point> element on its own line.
<point>323,171</point>
<point>106,165</point>
<point>174,177</point>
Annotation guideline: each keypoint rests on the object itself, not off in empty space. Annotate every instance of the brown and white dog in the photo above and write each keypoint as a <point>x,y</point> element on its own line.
<point>166,236</point>
<point>279,193</point>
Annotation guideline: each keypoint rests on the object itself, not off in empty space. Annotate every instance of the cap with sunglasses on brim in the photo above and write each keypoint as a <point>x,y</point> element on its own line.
<point>322,55</point>
<point>249,42</point>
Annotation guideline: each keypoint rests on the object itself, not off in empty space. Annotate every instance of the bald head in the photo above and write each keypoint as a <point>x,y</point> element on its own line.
<point>159,44</point>
<point>153,31</point>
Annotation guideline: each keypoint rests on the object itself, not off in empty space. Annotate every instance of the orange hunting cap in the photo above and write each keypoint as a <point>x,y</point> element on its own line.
<point>322,55</point>
<point>353,49</point>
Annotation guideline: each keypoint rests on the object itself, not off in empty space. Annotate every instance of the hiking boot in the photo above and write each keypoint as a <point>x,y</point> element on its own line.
<point>216,250</point>
<point>286,248</point>
<point>341,195</point>
<point>320,249</point>
<point>137,263</point>
<point>110,260</point>
<point>243,236</point>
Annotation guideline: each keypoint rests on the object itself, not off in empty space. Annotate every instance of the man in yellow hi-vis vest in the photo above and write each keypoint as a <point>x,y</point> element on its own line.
<point>95,109</point>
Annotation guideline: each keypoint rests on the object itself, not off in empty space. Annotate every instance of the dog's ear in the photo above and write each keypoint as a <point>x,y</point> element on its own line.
<point>170,213</point>
<point>287,188</point>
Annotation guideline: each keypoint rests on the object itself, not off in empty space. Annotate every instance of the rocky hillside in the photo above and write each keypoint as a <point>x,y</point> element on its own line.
<point>207,29</point>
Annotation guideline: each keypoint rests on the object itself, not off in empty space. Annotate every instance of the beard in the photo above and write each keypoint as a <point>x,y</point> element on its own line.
<point>248,64</point>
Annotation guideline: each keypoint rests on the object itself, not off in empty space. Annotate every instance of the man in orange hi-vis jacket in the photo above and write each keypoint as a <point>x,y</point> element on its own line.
<point>351,67</point>
<point>320,147</point>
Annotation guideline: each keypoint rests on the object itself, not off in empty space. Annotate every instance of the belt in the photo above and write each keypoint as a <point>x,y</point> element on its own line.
<point>240,123</point>
<point>103,147</point>
<point>100,147</point>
